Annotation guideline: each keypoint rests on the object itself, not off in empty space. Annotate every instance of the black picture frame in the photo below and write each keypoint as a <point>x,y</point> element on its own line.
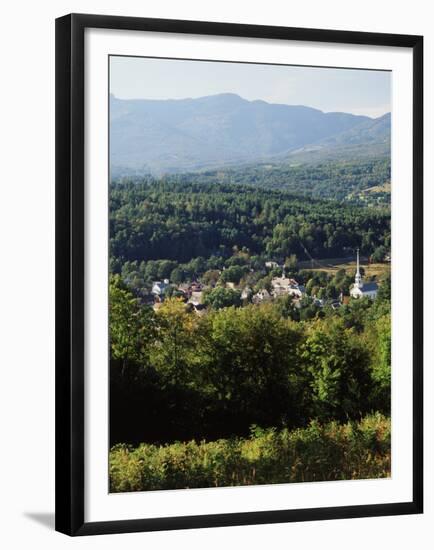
<point>70,284</point>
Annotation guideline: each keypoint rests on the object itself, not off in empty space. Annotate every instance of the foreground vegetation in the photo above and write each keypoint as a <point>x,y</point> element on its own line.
<point>326,452</point>
<point>179,376</point>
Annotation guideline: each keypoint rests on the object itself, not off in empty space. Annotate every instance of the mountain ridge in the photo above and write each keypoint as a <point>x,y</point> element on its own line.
<point>180,135</point>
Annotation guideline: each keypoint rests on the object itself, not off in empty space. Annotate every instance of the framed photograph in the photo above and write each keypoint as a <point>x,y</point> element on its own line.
<point>238,274</point>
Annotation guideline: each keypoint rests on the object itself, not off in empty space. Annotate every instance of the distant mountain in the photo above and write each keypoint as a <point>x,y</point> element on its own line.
<point>376,130</point>
<point>166,136</point>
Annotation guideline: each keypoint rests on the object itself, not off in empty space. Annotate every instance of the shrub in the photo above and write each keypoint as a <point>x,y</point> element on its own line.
<point>328,452</point>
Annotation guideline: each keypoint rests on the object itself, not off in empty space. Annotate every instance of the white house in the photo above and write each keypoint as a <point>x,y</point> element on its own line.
<point>283,285</point>
<point>246,293</point>
<point>196,297</point>
<point>361,289</point>
<point>158,287</point>
<point>261,296</point>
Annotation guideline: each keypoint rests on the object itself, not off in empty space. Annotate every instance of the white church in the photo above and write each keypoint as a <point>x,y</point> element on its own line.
<point>361,289</point>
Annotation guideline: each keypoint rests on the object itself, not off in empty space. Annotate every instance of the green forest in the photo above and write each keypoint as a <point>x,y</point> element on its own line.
<point>201,225</point>
<point>218,375</point>
<point>338,180</point>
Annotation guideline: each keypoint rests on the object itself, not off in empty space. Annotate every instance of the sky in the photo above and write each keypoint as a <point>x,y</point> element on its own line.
<point>356,91</point>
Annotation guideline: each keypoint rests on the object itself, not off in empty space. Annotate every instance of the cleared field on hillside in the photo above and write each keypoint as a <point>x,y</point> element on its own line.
<point>332,265</point>
<point>383,188</point>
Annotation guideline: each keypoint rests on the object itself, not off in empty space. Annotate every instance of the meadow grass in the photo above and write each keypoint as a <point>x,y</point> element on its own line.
<point>328,452</point>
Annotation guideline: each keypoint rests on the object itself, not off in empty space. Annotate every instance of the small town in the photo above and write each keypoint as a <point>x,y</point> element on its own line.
<point>195,293</point>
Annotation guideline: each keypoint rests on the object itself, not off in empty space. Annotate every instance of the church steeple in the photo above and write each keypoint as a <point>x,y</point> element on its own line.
<point>358,279</point>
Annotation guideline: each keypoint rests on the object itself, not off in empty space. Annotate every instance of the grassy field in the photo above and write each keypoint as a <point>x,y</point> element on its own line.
<point>332,265</point>
<point>328,452</point>
<point>384,188</point>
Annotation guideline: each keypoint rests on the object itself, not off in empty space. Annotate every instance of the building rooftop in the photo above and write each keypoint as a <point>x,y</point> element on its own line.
<point>369,287</point>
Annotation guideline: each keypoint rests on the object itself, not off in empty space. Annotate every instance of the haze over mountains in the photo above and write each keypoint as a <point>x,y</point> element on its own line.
<point>168,136</point>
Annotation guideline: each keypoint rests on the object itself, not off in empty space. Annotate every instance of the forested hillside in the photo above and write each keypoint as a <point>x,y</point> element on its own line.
<point>180,221</point>
<point>341,180</point>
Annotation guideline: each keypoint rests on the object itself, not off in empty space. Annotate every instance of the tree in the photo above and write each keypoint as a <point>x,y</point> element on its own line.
<point>177,275</point>
<point>321,293</point>
<point>291,262</point>
<point>252,362</point>
<point>131,324</point>
<point>286,307</point>
<point>354,314</point>
<point>379,341</point>
<point>385,289</point>
<point>211,277</point>
<point>173,353</point>
<point>379,254</point>
<point>232,274</point>
<point>264,283</point>
<point>172,292</point>
<point>339,367</point>
<point>220,297</point>
<point>309,286</point>
<point>132,327</point>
